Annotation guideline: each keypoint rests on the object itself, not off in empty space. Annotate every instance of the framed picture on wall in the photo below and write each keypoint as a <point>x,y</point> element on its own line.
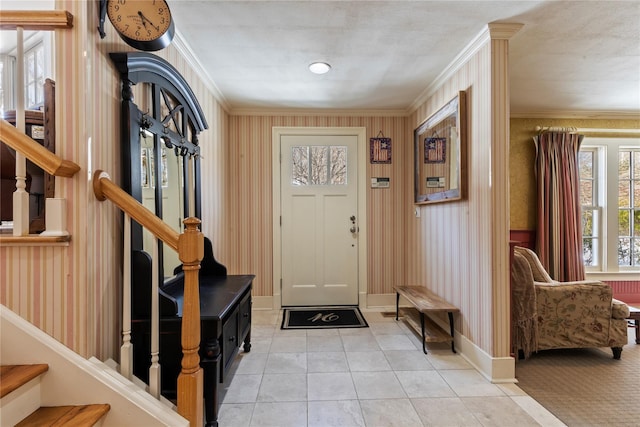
<point>380,150</point>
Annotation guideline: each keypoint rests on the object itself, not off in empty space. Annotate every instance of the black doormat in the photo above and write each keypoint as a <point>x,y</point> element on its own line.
<point>323,318</point>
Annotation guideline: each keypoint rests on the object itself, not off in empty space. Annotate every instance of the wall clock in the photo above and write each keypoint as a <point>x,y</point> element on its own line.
<point>143,24</point>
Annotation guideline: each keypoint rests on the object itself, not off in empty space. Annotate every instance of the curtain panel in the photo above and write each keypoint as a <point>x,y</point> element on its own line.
<point>559,234</point>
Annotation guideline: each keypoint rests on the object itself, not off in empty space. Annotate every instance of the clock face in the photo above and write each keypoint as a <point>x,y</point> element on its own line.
<point>143,24</point>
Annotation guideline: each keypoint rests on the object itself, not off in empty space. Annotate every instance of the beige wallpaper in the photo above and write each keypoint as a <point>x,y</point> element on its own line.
<point>73,293</point>
<point>522,160</point>
<point>247,209</point>
<point>457,249</point>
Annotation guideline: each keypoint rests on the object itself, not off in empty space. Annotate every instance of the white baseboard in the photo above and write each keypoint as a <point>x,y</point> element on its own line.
<point>495,369</point>
<point>386,301</point>
<point>264,303</point>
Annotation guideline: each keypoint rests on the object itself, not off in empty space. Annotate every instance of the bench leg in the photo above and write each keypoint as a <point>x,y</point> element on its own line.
<point>424,348</point>
<point>451,326</point>
<point>397,304</point>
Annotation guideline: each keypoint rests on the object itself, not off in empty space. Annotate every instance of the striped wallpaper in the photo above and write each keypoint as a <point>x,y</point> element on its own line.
<point>457,249</point>
<point>402,249</point>
<point>460,249</point>
<point>248,209</point>
<point>73,293</point>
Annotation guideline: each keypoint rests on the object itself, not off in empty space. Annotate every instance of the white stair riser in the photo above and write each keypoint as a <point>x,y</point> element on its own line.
<point>20,403</point>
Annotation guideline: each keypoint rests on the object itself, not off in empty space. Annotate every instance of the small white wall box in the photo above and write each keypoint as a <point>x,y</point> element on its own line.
<point>435,182</point>
<point>380,182</point>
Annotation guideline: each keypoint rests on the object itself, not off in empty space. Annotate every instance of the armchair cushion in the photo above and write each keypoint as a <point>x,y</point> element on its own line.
<point>539,273</point>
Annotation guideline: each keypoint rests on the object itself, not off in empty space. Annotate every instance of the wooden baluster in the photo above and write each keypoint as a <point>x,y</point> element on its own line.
<point>154,370</point>
<point>190,380</point>
<point>126,351</point>
<point>20,196</point>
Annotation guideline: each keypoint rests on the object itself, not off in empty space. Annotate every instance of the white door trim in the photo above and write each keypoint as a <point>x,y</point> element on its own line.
<point>360,133</point>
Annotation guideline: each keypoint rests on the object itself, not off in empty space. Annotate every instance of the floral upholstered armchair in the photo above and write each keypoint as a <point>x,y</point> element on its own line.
<point>547,314</point>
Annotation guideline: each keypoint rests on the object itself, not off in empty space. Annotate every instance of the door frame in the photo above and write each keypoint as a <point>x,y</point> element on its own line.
<point>360,133</point>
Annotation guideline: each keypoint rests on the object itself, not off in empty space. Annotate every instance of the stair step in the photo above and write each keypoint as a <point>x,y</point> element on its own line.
<point>14,376</point>
<point>68,416</point>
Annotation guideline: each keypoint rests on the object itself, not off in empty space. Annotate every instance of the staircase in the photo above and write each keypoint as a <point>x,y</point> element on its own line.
<point>40,377</point>
<point>20,395</point>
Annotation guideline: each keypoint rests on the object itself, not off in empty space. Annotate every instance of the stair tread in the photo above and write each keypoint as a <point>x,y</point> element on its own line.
<point>14,376</point>
<point>68,416</point>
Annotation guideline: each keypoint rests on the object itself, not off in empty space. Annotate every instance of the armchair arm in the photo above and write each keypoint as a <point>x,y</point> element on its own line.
<point>579,314</point>
<point>619,310</point>
<point>577,282</point>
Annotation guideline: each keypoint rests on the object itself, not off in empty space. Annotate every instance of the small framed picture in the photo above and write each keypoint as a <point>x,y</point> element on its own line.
<point>435,150</point>
<point>380,150</point>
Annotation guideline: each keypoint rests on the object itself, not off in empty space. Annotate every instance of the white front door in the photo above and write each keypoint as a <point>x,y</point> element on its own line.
<point>319,228</point>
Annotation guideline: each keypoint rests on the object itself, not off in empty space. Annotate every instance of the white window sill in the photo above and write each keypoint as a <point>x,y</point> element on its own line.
<point>619,276</point>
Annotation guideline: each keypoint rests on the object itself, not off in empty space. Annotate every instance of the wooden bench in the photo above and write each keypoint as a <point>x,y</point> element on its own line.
<point>426,302</point>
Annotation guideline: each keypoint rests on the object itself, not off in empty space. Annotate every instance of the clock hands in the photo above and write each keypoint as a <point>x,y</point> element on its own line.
<point>145,20</point>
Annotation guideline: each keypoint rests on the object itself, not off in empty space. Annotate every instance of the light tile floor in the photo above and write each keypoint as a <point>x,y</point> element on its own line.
<point>375,377</point>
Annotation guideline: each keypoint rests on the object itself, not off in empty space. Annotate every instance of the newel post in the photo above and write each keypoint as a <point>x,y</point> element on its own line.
<point>190,380</point>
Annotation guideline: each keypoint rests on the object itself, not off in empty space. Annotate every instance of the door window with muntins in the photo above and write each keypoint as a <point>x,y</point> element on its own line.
<point>319,165</point>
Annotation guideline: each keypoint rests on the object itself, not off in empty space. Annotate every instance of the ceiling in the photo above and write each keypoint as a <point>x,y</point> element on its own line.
<point>571,57</point>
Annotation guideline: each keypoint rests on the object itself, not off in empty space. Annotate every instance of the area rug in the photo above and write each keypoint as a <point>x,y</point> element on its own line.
<point>585,387</point>
<point>322,318</point>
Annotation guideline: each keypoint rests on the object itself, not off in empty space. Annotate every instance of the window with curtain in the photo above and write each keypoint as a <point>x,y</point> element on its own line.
<point>610,201</point>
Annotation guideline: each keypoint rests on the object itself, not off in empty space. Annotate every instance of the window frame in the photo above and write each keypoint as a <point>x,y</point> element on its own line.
<point>596,206</point>
<point>32,40</point>
<point>606,159</point>
<point>36,81</point>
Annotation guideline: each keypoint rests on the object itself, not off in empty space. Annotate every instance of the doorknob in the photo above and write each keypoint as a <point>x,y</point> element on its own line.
<point>354,229</point>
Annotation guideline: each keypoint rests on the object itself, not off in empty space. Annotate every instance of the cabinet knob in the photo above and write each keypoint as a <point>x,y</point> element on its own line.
<point>232,339</point>
<point>245,315</point>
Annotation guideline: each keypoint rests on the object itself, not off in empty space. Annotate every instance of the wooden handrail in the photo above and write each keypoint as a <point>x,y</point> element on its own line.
<point>190,248</point>
<point>50,162</point>
<point>104,189</point>
<point>35,20</point>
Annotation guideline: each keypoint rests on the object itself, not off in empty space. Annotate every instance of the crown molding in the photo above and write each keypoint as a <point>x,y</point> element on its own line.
<point>503,30</point>
<point>192,60</point>
<point>577,114</point>
<point>493,31</point>
<point>315,112</point>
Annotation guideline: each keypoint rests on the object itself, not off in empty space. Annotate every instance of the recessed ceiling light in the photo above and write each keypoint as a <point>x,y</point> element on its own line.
<point>319,67</point>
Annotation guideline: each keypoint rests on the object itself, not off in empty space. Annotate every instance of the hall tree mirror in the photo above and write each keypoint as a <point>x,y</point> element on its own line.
<point>168,175</point>
<point>440,154</point>
<point>160,152</point>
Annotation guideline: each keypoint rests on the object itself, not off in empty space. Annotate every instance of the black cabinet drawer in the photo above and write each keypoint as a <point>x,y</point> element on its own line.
<point>229,341</point>
<point>245,316</point>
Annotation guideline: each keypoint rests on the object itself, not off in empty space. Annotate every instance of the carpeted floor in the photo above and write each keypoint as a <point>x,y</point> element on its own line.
<point>586,387</point>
